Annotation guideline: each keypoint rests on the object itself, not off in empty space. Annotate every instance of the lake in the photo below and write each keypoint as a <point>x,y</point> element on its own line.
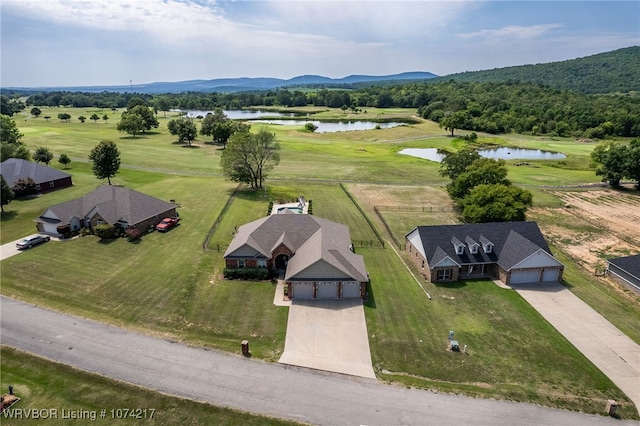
<point>502,153</point>
<point>334,126</point>
<point>239,114</point>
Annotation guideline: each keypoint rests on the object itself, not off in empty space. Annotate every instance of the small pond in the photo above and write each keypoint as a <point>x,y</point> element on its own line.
<point>334,126</point>
<point>502,153</point>
<point>239,114</point>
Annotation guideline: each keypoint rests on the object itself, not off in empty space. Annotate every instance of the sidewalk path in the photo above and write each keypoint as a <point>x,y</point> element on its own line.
<point>609,349</point>
<point>272,389</point>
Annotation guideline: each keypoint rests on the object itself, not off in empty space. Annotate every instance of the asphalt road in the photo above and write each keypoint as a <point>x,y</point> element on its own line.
<point>273,389</point>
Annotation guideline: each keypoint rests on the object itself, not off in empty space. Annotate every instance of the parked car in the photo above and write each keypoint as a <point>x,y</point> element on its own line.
<point>167,223</point>
<point>31,241</point>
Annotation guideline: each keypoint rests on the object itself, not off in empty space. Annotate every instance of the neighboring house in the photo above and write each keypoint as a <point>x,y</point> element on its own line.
<point>110,204</point>
<point>46,178</point>
<point>316,255</point>
<point>513,252</point>
<point>626,269</point>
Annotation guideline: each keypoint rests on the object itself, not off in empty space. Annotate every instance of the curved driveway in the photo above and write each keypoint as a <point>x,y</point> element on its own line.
<point>254,386</point>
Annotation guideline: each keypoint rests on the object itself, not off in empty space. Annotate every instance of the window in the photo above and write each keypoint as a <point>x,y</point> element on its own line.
<point>52,184</point>
<point>488,248</point>
<point>262,263</point>
<point>473,249</point>
<point>460,249</point>
<point>241,263</point>
<point>444,274</point>
<point>38,187</point>
<point>423,264</point>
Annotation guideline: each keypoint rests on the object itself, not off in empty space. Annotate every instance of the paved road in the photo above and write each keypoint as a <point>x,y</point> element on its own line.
<point>249,385</point>
<point>609,349</point>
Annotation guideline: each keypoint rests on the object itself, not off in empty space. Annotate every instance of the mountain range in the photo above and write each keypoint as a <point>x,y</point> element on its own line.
<point>235,84</point>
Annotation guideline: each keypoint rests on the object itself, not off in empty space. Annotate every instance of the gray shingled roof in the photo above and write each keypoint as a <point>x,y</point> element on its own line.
<point>629,264</point>
<point>513,241</point>
<point>113,203</point>
<point>14,169</point>
<point>310,238</point>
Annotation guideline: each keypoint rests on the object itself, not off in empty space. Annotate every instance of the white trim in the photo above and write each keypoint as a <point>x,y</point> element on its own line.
<point>529,262</point>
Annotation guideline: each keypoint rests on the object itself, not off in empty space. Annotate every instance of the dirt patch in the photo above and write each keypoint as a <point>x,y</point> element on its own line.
<point>594,225</point>
<point>400,195</point>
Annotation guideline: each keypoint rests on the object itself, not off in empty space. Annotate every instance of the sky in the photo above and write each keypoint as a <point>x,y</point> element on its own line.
<point>61,43</point>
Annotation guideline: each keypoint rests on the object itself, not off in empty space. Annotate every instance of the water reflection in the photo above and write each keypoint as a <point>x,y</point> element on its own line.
<point>495,153</point>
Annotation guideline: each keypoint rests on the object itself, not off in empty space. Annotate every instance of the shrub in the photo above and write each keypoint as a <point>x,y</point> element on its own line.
<point>133,234</point>
<point>261,274</point>
<point>105,231</point>
<point>24,186</point>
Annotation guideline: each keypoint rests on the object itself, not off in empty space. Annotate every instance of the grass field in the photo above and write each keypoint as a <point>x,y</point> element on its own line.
<point>167,285</point>
<point>43,384</point>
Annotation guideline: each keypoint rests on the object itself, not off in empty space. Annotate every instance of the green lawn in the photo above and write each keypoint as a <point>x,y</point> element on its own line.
<point>42,384</point>
<point>168,285</point>
<point>509,343</point>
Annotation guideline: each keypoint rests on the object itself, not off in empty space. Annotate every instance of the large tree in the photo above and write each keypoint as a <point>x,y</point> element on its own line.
<point>454,120</point>
<point>131,123</point>
<point>250,157</point>
<point>496,203</point>
<point>10,144</point>
<point>611,157</point>
<point>64,160</point>
<point>455,163</point>
<point>484,171</point>
<point>106,160</point>
<point>218,126</point>
<point>43,155</point>
<point>7,193</point>
<point>184,128</point>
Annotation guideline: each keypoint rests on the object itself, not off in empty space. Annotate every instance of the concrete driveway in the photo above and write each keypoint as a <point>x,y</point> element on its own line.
<point>329,335</point>
<point>9,249</point>
<point>609,349</point>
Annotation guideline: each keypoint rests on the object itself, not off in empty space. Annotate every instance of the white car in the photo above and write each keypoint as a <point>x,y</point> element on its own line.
<point>31,241</point>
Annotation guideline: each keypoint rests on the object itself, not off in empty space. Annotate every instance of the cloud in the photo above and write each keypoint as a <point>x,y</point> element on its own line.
<point>511,32</point>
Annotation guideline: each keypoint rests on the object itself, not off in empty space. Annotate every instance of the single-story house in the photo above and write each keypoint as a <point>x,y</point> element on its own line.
<point>110,204</point>
<point>46,178</point>
<point>626,269</point>
<point>513,252</point>
<point>315,254</point>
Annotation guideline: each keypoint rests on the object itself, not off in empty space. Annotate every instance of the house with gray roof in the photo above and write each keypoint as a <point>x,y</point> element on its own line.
<point>626,269</point>
<point>46,178</point>
<point>110,204</point>
<point>315,255</point>
<point>513,252</point>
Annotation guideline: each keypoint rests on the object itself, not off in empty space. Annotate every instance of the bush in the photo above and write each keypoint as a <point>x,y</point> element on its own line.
<point>133,234</point>
<point>105,231</point>
<point>24,186</point>
<point>261,274</point>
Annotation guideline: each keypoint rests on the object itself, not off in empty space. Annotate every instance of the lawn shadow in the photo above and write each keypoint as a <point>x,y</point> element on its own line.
<point>451,285</point>
<point>370,300</point>
<point>8,215</point>
<point>105,242</point>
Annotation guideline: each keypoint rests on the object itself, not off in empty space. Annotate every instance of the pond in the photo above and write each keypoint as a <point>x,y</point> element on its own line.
<point>334,126</point>
<point>239,114</point>
<point>502,153</point>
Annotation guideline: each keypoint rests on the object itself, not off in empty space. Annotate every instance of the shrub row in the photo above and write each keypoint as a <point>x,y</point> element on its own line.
<point>247,273</point>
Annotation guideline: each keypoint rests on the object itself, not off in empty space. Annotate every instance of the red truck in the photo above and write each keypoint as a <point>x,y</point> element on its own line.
<point>167,223</point>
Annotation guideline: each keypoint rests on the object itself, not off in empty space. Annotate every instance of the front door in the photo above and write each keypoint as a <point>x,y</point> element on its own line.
<point>281,261</point>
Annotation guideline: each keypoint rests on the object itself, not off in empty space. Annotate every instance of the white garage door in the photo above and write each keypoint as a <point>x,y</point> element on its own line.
<point>351,289</point>
<point>327,290</point>
<point>550,275</point>
<point>529,276</point>
<point>50,228</point>
<point>302,290</point>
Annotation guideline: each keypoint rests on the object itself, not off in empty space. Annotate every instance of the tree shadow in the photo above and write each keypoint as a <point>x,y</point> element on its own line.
<point>8,215</point>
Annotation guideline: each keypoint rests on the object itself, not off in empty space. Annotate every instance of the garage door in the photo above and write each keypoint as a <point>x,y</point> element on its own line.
<point>350,289</point>
<point>550,275</point>
<point>302,290</point>
<point>530,276</point>
<point>50,228</point>
<point>327,290</point>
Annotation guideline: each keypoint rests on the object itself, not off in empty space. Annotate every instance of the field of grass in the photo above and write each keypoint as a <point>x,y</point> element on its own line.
<point>167,285</point>
<point>42,384</point>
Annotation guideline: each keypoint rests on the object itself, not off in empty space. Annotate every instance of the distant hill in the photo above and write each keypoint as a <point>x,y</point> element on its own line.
<point>226,85</point>
<point>617,71</point>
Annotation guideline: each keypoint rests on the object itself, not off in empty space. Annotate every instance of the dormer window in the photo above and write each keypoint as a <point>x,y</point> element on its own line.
<point>487,246</point>
<point>458,245</point>
<point>473,245</point>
